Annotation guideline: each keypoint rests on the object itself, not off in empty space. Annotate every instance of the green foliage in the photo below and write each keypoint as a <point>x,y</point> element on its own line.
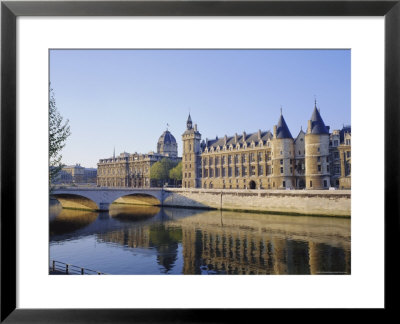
<point>176,173</point>
<point>160,170</point>
<point>58,134</point>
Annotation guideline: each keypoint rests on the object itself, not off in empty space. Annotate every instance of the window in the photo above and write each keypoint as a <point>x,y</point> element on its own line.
<point>237,158</point>
<point>318,149</point>
<point>211,173</point>
<point>189,175</point>
<point>229,159</point>
<point>281,162</point>
<point>348,153</point>
<point>252,157</point>
<point>236,171</point>
<point>260,157</point>
<point>229,172</point>
<point>284,184</point>
<point>281,169</point>
<point>319,168</point>
<point>206,173</point>
<point>244,171</point>
<point>217,160</point>
<point>217,172</point>
<point>327,168</point>
<point>319,159</point>
<point>325,183</point>
<point>335,143</point>
<point>243,158</point>
<point>211,161</point>
<point>327,159</point>
<point>260,170</point>
<point>223,160</point>
<point>223,172</point>
<point>291,170</point>
<point>253,170</point>
<point>310,183</point>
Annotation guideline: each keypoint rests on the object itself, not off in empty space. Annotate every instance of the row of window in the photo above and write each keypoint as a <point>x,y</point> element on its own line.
<point>121,171</point>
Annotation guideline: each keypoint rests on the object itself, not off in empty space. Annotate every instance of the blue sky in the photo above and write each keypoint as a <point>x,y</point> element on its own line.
<point>125,98</point>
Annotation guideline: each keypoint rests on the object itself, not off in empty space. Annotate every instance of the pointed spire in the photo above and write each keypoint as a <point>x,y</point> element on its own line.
<point>317,124</point>
<point>189,122</point>
<point>282,130</point>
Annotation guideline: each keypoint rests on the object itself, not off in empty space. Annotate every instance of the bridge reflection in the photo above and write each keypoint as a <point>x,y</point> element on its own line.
<point>68,221</point>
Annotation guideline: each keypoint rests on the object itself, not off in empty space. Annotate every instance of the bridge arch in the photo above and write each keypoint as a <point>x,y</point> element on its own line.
<point>75,201</point>
<point>138,199</point>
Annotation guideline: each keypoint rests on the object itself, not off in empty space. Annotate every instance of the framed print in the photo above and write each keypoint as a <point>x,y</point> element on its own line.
<point>353,45</point>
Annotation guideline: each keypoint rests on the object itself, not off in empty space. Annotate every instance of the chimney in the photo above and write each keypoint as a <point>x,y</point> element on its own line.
<point>309,125</point>
<point>195,127</point>
<point>274,131</point>
<point>259,134</point>
<point>236,138</point>
<point>225,139</point>
<point>244,137</point>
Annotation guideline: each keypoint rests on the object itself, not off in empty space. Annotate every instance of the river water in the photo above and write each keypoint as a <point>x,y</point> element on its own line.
<point>134,239</point>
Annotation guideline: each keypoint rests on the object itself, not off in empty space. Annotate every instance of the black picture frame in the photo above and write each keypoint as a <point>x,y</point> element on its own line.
<point>10,10</point>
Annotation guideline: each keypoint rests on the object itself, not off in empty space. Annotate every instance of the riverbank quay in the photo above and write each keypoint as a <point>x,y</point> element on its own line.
<point>289,202</point>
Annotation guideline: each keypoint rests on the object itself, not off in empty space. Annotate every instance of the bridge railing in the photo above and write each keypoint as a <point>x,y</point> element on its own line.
<point>70,269</point>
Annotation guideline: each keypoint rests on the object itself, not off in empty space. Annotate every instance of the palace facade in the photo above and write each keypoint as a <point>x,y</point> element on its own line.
<point>133,170</point>
<point>315,159</point>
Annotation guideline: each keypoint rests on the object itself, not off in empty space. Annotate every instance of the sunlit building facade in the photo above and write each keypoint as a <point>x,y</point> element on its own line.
<point>314,159</point>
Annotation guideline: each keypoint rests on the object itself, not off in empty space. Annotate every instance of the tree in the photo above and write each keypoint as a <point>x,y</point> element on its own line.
<point>160,170</point>
<point>176,173</point>
<point>58,134</point>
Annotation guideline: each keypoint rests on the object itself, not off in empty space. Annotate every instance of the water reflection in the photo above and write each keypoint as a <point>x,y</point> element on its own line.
<point>69,220</point>
<point>152,240</point>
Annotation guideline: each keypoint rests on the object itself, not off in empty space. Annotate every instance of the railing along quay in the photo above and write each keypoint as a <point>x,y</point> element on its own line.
<point>66,268</point>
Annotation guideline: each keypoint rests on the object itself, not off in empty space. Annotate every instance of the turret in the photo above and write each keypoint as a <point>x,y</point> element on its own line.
<point>282,156</point>
<point>317,152</point>
<point>191,163</point>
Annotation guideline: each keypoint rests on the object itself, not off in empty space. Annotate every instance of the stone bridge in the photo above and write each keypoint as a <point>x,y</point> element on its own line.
<point>101,198</point>
<point>301,202</point>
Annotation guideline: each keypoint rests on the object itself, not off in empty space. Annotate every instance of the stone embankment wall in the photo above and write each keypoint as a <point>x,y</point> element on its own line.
<point>302,202</point>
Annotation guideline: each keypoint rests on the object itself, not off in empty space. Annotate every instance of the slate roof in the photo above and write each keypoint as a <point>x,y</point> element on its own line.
<point>317,124</point>
<point>166,138</point>
<point>265,135</point>
<point>282,130</point>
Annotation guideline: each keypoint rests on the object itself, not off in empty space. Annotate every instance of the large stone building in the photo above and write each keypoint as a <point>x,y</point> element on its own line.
<point>133,170</point>
<point>315,159</point>
<point>76,174</point>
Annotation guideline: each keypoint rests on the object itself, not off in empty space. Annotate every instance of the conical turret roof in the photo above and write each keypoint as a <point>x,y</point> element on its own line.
<point>282,130</point>
<point>317,124</point>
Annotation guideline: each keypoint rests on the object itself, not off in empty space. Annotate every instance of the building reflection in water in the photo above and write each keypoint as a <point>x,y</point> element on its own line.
<point>216,242</point>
